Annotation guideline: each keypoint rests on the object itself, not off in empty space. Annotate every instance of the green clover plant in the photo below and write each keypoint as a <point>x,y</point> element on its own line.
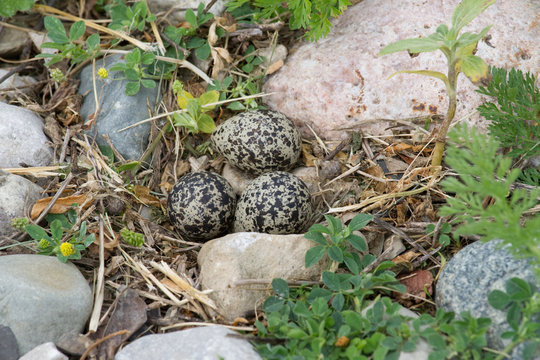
<point>132,238</point>
<point>129,18</point>
<point>64,241</point>
<point>68,45</point>
<point>134,70</point>
<point>459,52</point>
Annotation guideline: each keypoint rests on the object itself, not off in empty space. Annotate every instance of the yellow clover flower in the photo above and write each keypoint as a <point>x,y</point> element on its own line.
<point>67,249</point>
<point>102,72</point>
<point>43,244</point>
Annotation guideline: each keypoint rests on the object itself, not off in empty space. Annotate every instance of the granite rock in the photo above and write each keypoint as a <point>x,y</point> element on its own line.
<point>240,256</point>
<point>118,110</point>
<point>341,83</point>
<point>42,298</point>
<point>17,195</point>
<point>202,343</point>
<point>468,278</point>
<point>22,139</point>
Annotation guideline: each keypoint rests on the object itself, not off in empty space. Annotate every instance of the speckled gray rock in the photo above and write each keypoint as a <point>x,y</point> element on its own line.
<point>226,261</point>
<point>200,343</point>
<point>42,299</point>
<point>201,205</point>
<point>17,195</point>
<point>176,9</point>
<point>258,141</point>
<point>468,278</point>
<point>340,82</point>
<point>274,203</point>
<point>22,139</point>
<point>238,179</point>
<point>118,110</point>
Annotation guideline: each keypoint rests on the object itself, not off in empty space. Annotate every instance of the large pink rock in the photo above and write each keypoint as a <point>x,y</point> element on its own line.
<point>341,83</point>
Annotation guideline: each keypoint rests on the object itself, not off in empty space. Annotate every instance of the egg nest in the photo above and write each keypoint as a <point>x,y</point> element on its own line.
<point>274,203</point>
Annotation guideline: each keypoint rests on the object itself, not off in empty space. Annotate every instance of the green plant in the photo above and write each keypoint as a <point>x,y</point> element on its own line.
<point>134,70</point>
<point>68,45</point>
<point>314,16</point>
<point>8,8</point>
<point>345,318</point>
<point>20,224</point>
<point>336,240</point>
<point>200,45</point>
<point>195,119</point>
<point>521,301</point>
<point>515,116</point>
<point>444,233</point>
<point>129,18</point>
<point>459,52</point>
<point>483,173</point>
<point>131,237</point>
<point>66,246</point>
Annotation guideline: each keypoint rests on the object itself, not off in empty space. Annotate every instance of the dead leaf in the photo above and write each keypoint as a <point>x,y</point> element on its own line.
<point>129,314</point>
<point>274,67</point>
<point>307,155</point>
<point>61,205</point>
<point>143,194</point>
<point>405,258</point>
<point>418,283</point>
<point>226,22</point>
<point>342,341</point>
<point>377,171</point>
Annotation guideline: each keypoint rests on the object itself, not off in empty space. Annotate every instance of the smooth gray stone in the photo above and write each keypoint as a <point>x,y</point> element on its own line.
<point>42,298</point>
<point>9,350</point>
<point>202,343</point>
<point>468,278</point>
<point>118,110</point>
<point>17,195</point>
<point>47,351</point>
<point>22,139</point>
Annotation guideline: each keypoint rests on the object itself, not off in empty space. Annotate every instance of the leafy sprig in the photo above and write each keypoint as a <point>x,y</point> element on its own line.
<point>515,113</point>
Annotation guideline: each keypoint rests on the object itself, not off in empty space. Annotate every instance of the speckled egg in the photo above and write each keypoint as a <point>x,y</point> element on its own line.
<point>274,203</point>
<point>201,205</point>
<point>258,141</point>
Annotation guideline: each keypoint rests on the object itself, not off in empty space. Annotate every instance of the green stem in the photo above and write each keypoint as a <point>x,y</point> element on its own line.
<point>436,159</point>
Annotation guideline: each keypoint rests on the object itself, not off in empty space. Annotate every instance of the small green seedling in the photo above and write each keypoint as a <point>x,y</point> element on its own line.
<point>195,119</point>
<point>68,45</point>
<point>459,52</point>
<point>444,233</point>
<point>63,241</point>
<point>134,70</point>
<point>132,238</point>
<point>129,18</point>
<point>335,243</point>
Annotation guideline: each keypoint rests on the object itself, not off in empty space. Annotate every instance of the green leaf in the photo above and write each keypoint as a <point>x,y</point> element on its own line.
<point>316,236</point>
<point>430,73</point>
<point>412,46</point>
<point>338,301</point>
<point>119,67</point>
<point>335,253</point>
<point>518,289</point>
<point>195,42</point>
<point>203,52</point>
<point>108,152</point>
<point>359,221</point>
<point>314,255</point>
<point>55,30</point>
<point>133,57</point>
<point>8,8</point>
<point>319,228</point>
<point>131,74</point>
<point>352,263</point>
<point>466,11</point>
<point>128,166</point>
<point>333,224</point>
<point>132,88</point>
<point>147,83</point>
<point>236,106</point>
<point>148,58</point>
<point>301,309</point>
<point>191,18</point>
<point>37,232</point>
<point>272,303</point>
<point>474,68</point>
<point>206,124</point>
<point>436,341</point>
<point>281,288</point>
<point>357,242</point>
<point>514,316</point>
<point>209,97</point>
<point>92,44</point>
<point>76,30</point>
<point>498,299</point>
